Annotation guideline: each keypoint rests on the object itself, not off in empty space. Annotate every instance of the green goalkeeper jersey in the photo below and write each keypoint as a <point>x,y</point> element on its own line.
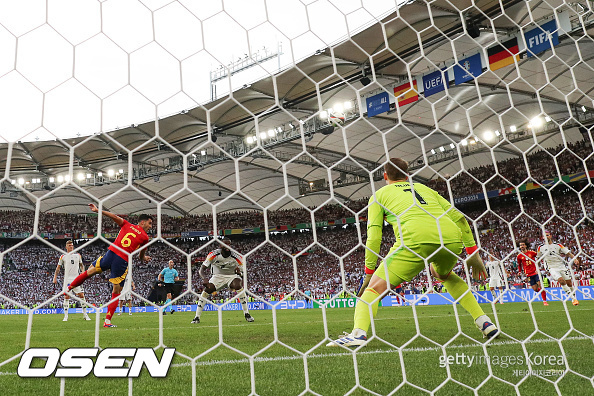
<point>423,223</point>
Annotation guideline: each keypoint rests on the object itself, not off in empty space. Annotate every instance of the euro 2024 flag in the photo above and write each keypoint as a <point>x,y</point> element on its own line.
<point>378,104</point>
<point>468,69</point>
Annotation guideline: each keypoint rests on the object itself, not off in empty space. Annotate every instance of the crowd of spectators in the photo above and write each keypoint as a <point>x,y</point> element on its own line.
<point>540,164</point>
<point>323,263</point>
<point>272,267</point>
<point>63,223</point>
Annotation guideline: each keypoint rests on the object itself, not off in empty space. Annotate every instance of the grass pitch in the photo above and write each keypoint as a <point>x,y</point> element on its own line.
<point>407,347</point>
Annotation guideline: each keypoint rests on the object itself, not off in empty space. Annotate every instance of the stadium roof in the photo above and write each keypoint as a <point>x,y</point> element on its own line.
<point>555,84</point>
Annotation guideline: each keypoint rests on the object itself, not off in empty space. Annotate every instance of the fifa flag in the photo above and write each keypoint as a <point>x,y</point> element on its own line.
<point>406,93</point>
<point>468,69</point>
<point>503,54</point>
<point>537,40</point>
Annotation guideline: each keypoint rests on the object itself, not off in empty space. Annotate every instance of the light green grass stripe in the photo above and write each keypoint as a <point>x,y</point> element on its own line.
<point>377,351</point>
<point>339,354</point>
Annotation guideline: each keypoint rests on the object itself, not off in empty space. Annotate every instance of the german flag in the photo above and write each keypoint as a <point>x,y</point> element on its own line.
<point>405,94</point>
<point>503,54</point>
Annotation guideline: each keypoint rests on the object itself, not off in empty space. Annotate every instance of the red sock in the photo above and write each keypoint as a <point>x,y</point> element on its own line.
<point>543,293</point>
<point>78,280</point>
<point>112,306</point>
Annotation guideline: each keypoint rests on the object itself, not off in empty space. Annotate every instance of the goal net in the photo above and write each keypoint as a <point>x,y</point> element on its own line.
<point>264,128</point>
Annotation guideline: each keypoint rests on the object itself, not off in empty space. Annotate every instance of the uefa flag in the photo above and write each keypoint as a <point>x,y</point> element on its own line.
<point>406,94</point>
<point>503,54</point>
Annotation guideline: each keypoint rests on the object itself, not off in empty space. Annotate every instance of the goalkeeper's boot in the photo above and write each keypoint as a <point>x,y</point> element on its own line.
<point>349,340</point>
<point>195,320</point>
<point>248,317</point>
<point>488,329</point>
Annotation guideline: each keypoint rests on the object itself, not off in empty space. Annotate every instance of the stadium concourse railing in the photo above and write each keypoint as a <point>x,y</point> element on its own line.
<point>576,177</point>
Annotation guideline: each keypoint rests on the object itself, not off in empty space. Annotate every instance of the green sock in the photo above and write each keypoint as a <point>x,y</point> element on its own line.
<point>362,317</point>
<point>457,287</point>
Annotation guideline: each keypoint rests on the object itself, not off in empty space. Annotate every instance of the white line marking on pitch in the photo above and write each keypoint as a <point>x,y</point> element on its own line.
<point>374,352</point>
<point>377,351</point>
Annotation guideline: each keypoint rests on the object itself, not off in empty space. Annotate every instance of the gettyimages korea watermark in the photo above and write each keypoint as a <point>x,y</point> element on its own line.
<point>105,363</point>
<point>541,365</point>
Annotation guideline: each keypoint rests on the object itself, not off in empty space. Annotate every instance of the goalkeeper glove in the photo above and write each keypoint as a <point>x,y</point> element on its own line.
<point>475,262</point>
<point>364,284</point>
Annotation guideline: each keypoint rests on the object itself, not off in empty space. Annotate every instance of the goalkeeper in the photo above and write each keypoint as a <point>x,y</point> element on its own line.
<point>431,229</point>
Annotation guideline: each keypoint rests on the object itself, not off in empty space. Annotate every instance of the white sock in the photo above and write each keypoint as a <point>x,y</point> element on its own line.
<point>66,305</point>
<point>243,301</point>
<point>358,333</point>
<point>567,290</point>
<point>480,321</point>
<point>494,294</point>
<point>201,304</point>
<point>108,321</point>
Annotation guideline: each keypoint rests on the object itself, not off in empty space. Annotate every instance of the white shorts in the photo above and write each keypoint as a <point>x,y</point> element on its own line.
<point>496,282</point>
<point>557,273</point>
<point>76,290</point>
<point>126,296</point>
<point>222,281</point>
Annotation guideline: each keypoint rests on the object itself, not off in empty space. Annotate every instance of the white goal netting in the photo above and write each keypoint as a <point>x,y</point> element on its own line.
<point>264,127</point>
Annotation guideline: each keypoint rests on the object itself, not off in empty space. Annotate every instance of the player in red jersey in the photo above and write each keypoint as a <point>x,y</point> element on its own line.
<point>527,262</point>
<point>130,238</point>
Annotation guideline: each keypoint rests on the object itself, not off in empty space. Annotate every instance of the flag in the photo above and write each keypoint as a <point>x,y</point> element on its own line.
<point>405,94</point>
<point>378,104</point>
<point>433,82</point>
<point>468,69</point>
<point>503,54</point>
<point>537,39</point>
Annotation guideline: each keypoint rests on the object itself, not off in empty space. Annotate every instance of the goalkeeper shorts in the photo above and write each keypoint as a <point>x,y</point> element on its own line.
<point>404,263</point>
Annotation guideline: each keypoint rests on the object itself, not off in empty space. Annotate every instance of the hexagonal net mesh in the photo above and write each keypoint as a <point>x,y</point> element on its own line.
<point>273,129</point>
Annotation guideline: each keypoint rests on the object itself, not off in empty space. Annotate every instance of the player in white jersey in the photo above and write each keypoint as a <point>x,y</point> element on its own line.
<point>126,295</point>
<point>553,256</point>
<point>497,274</point>
<point>226,268</point>
<point>73,265</point>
